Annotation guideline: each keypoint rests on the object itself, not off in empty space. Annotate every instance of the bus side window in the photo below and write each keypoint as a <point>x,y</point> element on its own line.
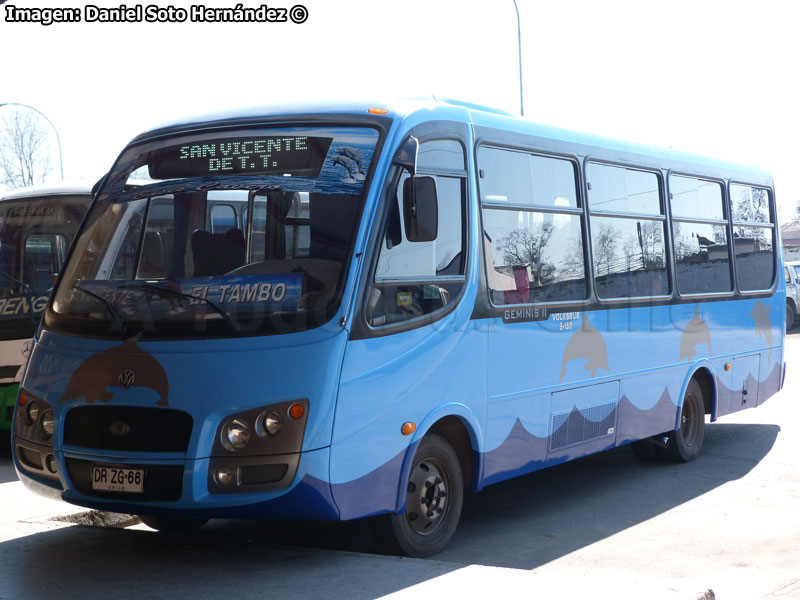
<point>700,234</point>
<point>223,218</point>
<point>628,222</point>
<point>753,236</point>
<point>533,227</point>
<point>414,279</point>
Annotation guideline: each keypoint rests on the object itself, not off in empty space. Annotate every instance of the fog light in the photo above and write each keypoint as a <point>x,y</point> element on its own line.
<point>223,476</point>
<point>48,423</point>
<point>273,424</point>
<point>235,434</point>
<point>33,412</point>
<point>51,464</point>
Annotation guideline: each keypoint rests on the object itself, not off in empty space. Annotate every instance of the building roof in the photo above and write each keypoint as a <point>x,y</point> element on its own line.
<point>790,233</point>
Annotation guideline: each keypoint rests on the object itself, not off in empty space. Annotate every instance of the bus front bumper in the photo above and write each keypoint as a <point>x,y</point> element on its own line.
<point>186,487</point>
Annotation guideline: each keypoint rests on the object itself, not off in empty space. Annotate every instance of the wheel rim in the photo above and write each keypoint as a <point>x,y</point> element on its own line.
<point>690,424</point>
<point>427,500</point>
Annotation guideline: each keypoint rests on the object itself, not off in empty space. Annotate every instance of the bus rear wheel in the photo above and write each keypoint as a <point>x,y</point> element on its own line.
<point>684,445</point>
<point>173,524</point>
<point>434,496</point>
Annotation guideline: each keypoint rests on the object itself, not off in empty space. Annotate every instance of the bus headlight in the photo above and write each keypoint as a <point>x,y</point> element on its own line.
<point>273,423</point>
<point>235,435</point>
<point>35,419</point>
<point>32,412</point>
<point>48,423</point>
<point>269,423</point>
<point>276,428</point>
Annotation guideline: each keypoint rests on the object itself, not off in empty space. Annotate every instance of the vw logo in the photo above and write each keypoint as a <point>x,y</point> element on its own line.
<point>126,378</point>
<point>119,428</point>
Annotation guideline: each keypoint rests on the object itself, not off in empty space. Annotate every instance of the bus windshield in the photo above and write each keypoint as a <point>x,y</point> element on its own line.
<point>34,236</point>
<point>219,235</point>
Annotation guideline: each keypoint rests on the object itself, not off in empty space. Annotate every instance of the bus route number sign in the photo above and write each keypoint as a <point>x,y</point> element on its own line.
<point>300,156</point>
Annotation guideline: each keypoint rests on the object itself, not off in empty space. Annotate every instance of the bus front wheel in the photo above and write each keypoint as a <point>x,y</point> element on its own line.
<point>434,496</point>
<point>173,524</point>
<point>685,444</point>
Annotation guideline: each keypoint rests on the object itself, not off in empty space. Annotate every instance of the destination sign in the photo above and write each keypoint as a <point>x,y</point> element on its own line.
<point>300,156</point>
<point>33,210</point>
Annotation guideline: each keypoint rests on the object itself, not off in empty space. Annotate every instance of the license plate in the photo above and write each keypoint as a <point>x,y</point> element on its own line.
<point>117,479</point>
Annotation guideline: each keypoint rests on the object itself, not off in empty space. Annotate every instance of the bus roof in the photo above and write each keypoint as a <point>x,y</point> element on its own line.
<point>50,189</point>
<point>430,108</point>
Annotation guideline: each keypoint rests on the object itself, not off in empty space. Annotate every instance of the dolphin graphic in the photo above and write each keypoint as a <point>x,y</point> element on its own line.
<point>695,333</point>
<point>103,369</point>
<point>760,314</point>
<point>351,153</point>
<point>586,342</point>
<point>354,173</point>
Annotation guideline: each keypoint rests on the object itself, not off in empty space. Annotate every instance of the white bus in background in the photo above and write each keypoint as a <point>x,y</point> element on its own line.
<point>36,228</point>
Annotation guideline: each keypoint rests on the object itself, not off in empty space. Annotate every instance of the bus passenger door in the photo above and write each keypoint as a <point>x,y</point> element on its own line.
<point>413,356</point>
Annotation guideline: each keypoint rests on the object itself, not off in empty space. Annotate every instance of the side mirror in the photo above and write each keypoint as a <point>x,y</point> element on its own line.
<point>420,209</point>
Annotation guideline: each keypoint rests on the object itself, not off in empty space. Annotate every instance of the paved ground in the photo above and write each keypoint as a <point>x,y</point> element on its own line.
<point>603,527</point>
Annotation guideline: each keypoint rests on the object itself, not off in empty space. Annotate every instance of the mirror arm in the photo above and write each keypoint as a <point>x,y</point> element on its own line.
<point>408,154</point>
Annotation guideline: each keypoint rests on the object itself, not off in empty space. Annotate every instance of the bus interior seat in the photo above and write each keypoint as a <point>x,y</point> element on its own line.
<point>152,262</point>
<point>217,253</point>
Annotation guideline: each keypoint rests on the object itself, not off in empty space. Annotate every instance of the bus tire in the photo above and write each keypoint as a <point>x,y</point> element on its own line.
<point>434,496</point>
<point>173,524</point>
<point>684,445</point>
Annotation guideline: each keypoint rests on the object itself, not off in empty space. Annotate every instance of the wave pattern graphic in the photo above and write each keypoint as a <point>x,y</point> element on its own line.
<point>636,423</point>
<point>522,452</point>
<point>732,400</point>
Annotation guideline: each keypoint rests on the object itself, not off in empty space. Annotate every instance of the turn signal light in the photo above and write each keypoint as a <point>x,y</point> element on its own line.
<point>727,366</point>
<point>296,411</point>
<point>23,398</point>
<point>408,428</point>
<point>378,111</point>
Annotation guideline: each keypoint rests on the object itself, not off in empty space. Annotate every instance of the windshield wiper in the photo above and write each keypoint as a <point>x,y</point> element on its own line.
<point>148,287</point>
<point>119,324</point>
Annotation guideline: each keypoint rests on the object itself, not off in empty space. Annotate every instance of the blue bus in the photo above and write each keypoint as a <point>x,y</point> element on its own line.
<point>406,302</point>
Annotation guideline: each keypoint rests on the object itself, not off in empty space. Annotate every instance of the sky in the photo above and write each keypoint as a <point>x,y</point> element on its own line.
<point>707,77</point>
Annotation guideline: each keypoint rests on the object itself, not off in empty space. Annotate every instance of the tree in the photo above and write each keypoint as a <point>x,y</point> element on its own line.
<point>605,248</point>
<point>24,148</point>
<point>521,247</point>
<point>652,236</point>
<point>752,205</point>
